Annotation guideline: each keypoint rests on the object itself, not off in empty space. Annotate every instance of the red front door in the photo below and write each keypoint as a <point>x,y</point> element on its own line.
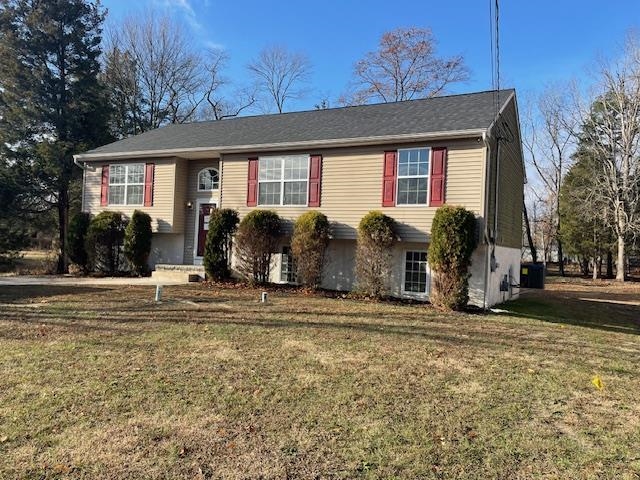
<point>203,225</point>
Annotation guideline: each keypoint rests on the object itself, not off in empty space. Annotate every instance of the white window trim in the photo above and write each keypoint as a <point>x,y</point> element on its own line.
<point>421,296</point>
<point>126,184</point>
<point>282,182</point>
<point>207,189</point>
<point>421,205</point>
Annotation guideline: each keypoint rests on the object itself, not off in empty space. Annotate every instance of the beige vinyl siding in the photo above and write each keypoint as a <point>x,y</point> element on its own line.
<point>162,211</point>
<point>180,195</point>
<point>193,167</point>
<point>352,186</point>
<point>511,183</point>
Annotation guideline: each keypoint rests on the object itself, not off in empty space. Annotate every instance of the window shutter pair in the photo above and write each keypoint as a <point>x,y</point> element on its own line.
<point>437,177</point>
<point>149,173</point>
<point>315,181</point>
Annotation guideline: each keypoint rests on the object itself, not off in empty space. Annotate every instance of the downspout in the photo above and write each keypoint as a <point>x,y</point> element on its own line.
<point>487,238</point>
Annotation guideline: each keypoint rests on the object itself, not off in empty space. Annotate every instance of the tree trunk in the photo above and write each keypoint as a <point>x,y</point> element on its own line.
<point>620,260</point>
<point>560,259</point>
<point>63,223</point>
<point>595,268</point>
<point>609,264</point>
<point>585,266</point>
<point>532,247</point>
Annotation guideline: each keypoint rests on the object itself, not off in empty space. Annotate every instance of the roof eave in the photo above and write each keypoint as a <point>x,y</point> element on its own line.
<point>263,147</point>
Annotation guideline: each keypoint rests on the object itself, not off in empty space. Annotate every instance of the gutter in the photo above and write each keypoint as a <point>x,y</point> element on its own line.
<point>251,148</point>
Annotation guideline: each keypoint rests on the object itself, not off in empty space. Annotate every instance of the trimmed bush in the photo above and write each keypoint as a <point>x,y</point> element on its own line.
<point>104,240</point>
<point>217,250</point>
<point>453,240</point>
<point>76,236</point>
<point>308,245</point>
<point>137,241</point>
<point>257,240</point>
<point>376,236</point>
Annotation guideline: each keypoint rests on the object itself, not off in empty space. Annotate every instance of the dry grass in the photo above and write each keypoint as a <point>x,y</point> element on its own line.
<point>104,383</point>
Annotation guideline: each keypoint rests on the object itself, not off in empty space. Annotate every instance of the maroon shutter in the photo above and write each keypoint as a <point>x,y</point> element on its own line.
<point>148,184</point>
<point>252,183</point>
<point>438,175</point>
<point>315,180</point>
<point>104,187</point>
<point>389,179</point>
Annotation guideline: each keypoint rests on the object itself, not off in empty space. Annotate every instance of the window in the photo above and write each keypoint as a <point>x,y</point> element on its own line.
<point>283,180</point>
<point>288,267</point>
<point>126,184</point>
<point>208,180</point>
<point>415,273</point>
<point>413,176</point>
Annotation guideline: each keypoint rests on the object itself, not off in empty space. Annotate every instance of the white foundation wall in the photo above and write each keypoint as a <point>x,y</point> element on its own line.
<point>508,263</point>
<point>339,271</point>
<point>476,281</point>
<point>166,248</point>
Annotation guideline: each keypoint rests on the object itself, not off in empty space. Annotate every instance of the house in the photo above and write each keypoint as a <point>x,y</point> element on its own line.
<point>405,158</point>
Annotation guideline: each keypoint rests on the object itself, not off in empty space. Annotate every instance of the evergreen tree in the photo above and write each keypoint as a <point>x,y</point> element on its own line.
<point>51,103</point>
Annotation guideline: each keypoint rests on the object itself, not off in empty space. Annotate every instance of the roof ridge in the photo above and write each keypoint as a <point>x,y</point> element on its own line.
<point>346,107</point>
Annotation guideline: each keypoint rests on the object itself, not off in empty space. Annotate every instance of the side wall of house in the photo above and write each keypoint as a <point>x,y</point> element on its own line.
<point>510,197</point>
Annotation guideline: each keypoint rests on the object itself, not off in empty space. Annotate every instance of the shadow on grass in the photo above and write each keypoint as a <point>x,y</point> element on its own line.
<point>584,309</point>
<point>19,293</point>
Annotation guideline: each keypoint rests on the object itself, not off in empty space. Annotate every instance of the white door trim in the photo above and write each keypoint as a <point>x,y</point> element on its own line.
<point>196,231</point>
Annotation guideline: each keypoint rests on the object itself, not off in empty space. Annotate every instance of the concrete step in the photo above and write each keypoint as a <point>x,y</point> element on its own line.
<point>178,273</point>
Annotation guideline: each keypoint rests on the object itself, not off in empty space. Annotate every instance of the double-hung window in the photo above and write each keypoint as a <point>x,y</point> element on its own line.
<point>126,184</point>
<point>283,180</point>
<point>413,176</point>
<point>415,273</point>
<point>288,266</point>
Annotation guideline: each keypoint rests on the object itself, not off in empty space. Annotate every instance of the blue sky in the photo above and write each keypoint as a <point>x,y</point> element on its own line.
<point>541,41</point>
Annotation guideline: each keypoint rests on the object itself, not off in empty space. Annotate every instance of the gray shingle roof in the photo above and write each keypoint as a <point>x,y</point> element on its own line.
<point>472,111</point>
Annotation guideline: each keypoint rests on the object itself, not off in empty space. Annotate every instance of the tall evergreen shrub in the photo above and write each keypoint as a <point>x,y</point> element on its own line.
<point>453,240</point>
<point>308,246</point>
<point>376,236</point>
<point>257,240</point>
<point>104,241</point>
<point>217,251</point>
<point>76,237</point>
<point>137,241</point>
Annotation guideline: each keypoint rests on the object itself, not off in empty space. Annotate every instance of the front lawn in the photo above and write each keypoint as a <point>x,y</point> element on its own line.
<point>104,383</point>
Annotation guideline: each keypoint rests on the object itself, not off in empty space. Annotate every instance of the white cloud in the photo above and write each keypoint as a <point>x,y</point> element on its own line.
<point>185,7</point>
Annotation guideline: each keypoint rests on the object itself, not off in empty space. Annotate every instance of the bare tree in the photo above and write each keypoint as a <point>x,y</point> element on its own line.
<point>156,76</point>
<point>220,104</point>
<point>280,74</point>
<point>405,66</point>
<point>549,141</point>
<point>611,127</point>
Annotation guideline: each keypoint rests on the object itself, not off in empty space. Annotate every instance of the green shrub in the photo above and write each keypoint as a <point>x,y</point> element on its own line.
<point>217,250</point>
<point>308,245</point>
<point>13,238</point>
<point>376,236</point>
<point>453,240</point>
<point>76,236</point>
<point>137,241</point>
<point>104,240</point>
<point>257,240</point>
